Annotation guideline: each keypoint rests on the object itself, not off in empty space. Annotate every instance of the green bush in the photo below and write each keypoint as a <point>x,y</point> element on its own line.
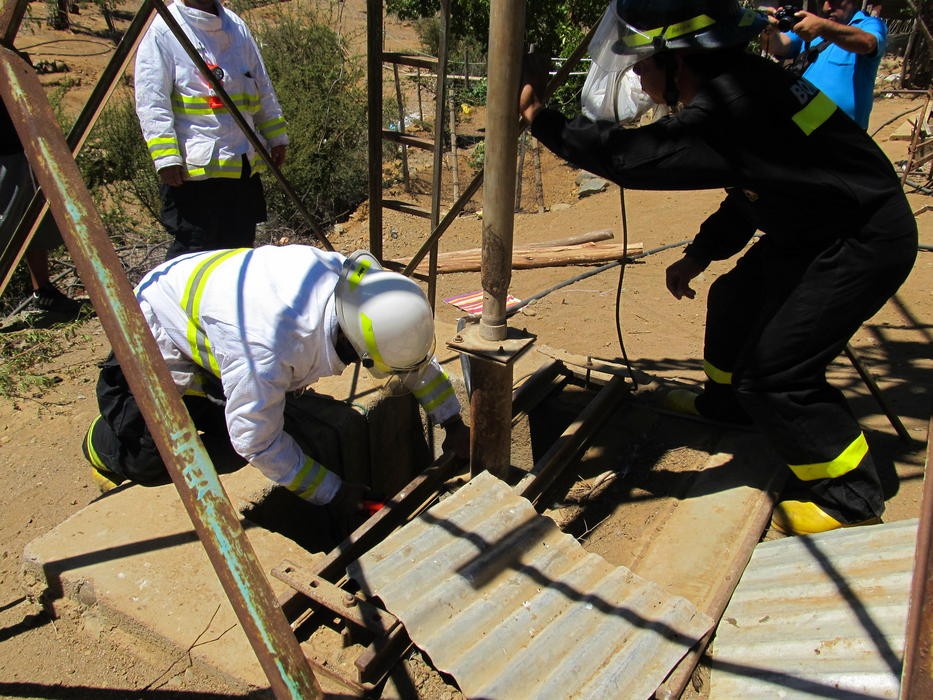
<point>323,96</point>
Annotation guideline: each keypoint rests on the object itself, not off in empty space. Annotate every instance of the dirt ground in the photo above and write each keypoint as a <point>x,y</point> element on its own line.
<point>47,479</point>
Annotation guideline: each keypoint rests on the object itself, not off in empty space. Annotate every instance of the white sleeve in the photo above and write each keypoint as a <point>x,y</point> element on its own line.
<point>154,83</point>
<point>255,389</point>
<point>269,120</point>
<point>432,387</point>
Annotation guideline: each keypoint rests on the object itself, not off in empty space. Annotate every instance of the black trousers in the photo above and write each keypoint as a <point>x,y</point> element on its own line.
<point>778,319</point>
<point>213,214</point>
<point>120,439</point>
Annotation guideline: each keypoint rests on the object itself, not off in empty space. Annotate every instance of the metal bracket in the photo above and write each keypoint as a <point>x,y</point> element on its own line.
<point>504,352</point>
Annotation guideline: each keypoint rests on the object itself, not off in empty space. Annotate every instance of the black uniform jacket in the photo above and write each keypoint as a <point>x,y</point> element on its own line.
<point>794,165</point>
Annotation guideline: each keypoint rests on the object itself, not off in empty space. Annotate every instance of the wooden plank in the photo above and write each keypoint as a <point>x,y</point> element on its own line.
<point>408,139</point>
<point>529,257</point>
<point>401,59</point>
<point>408,208</point>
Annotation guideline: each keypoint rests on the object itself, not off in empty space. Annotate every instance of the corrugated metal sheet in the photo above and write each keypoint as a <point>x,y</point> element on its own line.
<point>513,608</point>
<point>819,616</point>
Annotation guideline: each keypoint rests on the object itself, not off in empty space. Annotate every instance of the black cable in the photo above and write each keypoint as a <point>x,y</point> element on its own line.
<point>624,218</point>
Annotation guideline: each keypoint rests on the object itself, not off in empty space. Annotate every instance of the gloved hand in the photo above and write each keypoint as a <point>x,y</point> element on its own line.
<point>679,275</point>
<point>535,73</point>
<point>346,509</point>
<point>456,438</point>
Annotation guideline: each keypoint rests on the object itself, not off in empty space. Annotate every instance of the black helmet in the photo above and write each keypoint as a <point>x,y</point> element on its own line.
<point>632,30</point>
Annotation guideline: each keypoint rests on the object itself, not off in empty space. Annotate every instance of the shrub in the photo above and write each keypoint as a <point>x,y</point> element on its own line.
<point>322,92</point>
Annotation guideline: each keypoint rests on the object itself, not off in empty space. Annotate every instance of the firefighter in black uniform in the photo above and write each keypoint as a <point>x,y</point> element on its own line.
<point>838,236</point>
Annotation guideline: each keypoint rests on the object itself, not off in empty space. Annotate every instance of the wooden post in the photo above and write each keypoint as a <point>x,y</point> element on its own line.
<point>454,155</point>
<point>539,186</point>
<point>522,141</point>
<point>403,152</point>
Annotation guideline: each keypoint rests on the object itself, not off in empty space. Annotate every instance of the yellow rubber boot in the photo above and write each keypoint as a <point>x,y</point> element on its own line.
<point>682,401</point>
<point>806,518</point>
<point>105,481</point>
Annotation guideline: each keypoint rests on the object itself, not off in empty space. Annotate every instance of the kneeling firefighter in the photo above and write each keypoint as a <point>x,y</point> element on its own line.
<point>240,329</point>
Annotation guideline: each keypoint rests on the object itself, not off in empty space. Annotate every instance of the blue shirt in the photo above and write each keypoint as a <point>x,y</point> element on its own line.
<point>847,78</point>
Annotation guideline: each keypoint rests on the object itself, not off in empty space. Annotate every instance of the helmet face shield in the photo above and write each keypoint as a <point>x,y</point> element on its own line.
<point>618,44</point>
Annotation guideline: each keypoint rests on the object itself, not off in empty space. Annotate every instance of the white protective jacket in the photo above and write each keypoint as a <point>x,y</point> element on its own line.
<point>264,321</point>
<point>182,120</point>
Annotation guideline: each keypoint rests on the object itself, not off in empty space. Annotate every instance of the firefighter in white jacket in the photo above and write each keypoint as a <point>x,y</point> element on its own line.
<point>208,170</point>
<point>240,329</point>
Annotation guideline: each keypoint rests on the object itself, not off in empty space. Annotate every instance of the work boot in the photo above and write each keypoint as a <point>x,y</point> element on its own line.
<point>807,518</point>
<point>682,401</point>
<point>48,299</point>
<point>105,479</point>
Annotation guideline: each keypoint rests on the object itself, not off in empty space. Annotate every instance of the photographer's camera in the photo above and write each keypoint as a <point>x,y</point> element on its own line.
<point>786,17</point>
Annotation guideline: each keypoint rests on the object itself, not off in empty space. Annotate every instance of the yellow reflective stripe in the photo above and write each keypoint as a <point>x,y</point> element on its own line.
<point>162,146</point>
<point>96,461</point>
<point>228,167</point>
<point>191,303</point>
<point>369,336</point>
<point>356,275</point>
<point>715,374</point>
<point>272,127</point>
<point>817,111</point>
<point>850,458</point>
<point>695,24</point>
<point>442,382</point>
<point>200,104</point>
<point>305,482</point>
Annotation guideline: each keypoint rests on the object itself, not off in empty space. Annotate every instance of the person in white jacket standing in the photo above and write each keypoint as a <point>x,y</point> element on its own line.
<point>211,193</point>
<point>240,329</point>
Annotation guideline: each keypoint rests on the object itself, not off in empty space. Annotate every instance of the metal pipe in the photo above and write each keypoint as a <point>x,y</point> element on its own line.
<point>917,678</point>
<point>491,399</point>
<point>374,121</point>
<point>211,513</point>
<point>247,130</point>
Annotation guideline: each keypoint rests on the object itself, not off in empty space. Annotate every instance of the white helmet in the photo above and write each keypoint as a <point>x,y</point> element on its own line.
<point>385,316</point>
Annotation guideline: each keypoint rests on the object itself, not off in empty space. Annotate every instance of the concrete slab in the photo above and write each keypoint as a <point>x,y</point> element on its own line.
<point>134,564</point>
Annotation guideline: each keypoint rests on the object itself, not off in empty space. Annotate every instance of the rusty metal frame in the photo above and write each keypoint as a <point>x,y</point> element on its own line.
<point>214,518</point>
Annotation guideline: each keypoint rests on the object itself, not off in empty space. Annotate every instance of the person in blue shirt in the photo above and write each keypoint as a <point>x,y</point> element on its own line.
<point>845,46</point>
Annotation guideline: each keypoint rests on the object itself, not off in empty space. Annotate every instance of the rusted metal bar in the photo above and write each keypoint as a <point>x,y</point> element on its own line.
<point>567,446</point>
<point>917,678</point>
<point>491,399</point>
<point>38,209</point>
<point>11,17</point>
<point>440,102</point>
<point>893,418</point>
<point>374,121</point>
<point>211,513</point>
<point>247,130</point>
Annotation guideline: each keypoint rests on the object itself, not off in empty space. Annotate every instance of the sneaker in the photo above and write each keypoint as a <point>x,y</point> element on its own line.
<point>807,518</point>
<point>48,299</point>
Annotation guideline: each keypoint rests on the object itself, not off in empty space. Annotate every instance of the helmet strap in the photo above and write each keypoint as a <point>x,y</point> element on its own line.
<point>668,62</point>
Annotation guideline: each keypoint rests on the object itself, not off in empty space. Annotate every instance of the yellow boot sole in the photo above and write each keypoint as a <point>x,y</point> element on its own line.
<point>806,518</point>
